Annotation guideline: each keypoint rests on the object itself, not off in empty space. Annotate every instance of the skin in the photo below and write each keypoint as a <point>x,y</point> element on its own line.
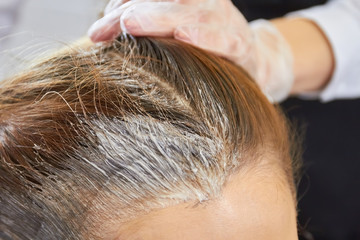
<point>314,61</point>
<point>257,205</point>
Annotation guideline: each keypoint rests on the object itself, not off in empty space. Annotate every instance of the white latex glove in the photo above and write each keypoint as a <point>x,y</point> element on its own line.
<point>213,25</point>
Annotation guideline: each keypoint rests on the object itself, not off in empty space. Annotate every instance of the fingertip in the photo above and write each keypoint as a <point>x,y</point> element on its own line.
<point>103,36</point>
<point>103,30</point>
<point>114,4</point>
<point>136,25</point>
<point>182,36</point>
<point>131,26</point>
<point>93,32</point>
<point>187,34</point>
<point>95,37</point>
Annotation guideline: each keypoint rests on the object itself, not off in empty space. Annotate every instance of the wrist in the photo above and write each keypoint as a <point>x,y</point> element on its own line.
<point>313,57</point>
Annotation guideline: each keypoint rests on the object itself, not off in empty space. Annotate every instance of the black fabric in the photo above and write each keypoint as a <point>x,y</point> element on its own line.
<point>329,193</point>
<point>254,9</point>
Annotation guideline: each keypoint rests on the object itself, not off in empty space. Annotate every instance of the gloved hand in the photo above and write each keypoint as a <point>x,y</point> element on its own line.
<point>213,25</point>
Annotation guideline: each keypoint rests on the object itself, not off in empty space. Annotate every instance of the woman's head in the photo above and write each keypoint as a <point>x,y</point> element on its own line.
<point>142,139</point>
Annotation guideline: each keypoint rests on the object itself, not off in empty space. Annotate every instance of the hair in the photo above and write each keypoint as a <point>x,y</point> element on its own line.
<point>108,132</point>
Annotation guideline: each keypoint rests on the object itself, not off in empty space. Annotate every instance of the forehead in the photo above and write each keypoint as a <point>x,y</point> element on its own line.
<point>255,205</point>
